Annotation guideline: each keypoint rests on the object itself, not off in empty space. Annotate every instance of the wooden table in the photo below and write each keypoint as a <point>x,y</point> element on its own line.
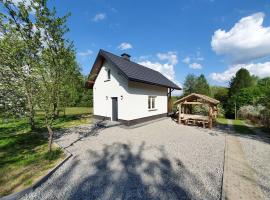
<point>187,118</point>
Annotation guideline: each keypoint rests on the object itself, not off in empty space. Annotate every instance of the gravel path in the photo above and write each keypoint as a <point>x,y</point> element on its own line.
<point>161,160</point>
<point>257,152</point>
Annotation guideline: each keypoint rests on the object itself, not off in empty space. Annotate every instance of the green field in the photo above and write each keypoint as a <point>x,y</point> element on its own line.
<point>240,127</point>
<point>222,121</point>
<point>24,154</point>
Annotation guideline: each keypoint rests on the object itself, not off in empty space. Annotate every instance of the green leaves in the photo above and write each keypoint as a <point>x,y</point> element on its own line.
<point>195,84</point>
<point>38,64</point>
<point>241,80</point>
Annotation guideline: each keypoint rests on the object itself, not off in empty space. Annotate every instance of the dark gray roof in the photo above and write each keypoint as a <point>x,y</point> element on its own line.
<point>137,72</point>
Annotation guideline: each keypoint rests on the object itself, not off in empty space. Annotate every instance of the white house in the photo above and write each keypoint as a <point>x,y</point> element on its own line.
<point>126,91</point>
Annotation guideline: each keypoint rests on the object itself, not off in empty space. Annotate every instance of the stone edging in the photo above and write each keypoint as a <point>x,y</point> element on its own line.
<point>40,181</point>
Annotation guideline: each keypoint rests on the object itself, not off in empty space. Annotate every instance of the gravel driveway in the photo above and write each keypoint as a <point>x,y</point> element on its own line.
<point>161,160</point>
<point>257,152</point>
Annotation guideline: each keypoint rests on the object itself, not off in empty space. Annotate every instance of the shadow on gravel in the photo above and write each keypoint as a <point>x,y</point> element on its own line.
<point>82,131</point>
<point>120,172</point>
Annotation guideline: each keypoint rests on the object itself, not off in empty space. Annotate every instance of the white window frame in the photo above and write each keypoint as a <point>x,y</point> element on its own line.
<point>151,103</point>
<point>108,75</point>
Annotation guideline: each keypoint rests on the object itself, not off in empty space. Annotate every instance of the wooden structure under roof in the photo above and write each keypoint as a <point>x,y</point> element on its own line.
<point>197,99</point>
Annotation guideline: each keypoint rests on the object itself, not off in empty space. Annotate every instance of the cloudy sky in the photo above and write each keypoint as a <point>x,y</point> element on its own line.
<point>212,37</point>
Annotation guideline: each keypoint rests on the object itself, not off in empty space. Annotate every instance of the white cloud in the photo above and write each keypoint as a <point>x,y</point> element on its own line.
<point>26,2</point>
<point>86,53</point>
<point>186,60</point>
<point>99,17</point>
<point>247,40</point>
<point>192,61</point>
<point>195,65</point>
<point>170,56</point>
<point>124,46</point>
<point>167,68</point>
<point>259,69</point>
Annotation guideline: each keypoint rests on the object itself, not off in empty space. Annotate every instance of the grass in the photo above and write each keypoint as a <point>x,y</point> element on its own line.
<point>222,121</point>
<point>240,127</point>
<point>24,154</point>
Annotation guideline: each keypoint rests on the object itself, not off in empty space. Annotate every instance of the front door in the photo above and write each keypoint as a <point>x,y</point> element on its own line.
<point>114,109</point>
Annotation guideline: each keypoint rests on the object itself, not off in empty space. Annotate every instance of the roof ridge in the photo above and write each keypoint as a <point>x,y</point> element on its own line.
<point>133,62</point>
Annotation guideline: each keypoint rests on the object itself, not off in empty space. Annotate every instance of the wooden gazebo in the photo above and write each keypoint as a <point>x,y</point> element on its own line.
<point>185,115</point>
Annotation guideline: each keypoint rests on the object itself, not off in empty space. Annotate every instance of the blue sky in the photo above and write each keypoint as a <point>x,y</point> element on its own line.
<point>174,37</point>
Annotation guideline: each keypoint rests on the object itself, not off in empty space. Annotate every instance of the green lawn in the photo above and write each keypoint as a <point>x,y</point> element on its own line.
<point>222,121</point>
<point>23,154</point>
<point>240,127</point>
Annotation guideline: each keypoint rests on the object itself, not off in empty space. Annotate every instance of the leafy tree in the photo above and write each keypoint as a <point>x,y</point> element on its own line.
<point>241,80</point>
<point>202,86</point>
<point>58,67</point>
<point>195,84</point>
<point>220,93</point>
<point>13,101</point>
<point>264,87</point>
<point>46,61</point>
<point>237,95</point>
<point>19,50</point>
<point>85,95</point>
<point>190,84</point>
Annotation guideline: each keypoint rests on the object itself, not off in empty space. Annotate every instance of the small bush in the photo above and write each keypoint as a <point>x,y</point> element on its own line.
<point>256,114</point>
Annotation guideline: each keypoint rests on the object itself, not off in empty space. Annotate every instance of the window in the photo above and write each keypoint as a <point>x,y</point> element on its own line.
<point>151,102</point>
<point>108,74</point>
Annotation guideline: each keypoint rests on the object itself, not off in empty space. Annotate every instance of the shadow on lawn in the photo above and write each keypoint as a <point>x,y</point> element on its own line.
<point>18,143</point>
<point>122,173</point>
<point>16,147</point>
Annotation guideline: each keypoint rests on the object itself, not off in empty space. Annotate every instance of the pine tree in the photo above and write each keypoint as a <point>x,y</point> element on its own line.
<point>202,86</point>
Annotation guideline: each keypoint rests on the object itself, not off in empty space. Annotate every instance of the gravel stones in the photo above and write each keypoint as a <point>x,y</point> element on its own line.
<point>161,160</point>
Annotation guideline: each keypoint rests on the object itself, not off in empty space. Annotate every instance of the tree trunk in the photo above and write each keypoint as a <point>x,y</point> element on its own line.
<point>55,110</point>
<point>31,120</point>
<point>31,114</point>
<point>50,137</point>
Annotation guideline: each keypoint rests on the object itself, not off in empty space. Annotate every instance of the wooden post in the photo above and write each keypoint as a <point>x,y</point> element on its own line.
<point>210,115</point>
<point>179,113</point>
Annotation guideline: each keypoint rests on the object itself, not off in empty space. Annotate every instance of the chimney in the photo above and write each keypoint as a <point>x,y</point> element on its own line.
<point>126,56</point>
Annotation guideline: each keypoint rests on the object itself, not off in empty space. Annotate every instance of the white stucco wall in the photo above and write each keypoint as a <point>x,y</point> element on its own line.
<point>138,100</point>
<point>134,103</point>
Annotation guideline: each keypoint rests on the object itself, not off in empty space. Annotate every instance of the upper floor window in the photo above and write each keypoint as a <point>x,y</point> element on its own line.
<point>108,74</point>
<point>151,102</point>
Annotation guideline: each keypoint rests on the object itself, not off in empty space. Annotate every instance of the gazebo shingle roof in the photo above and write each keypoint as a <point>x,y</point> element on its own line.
<point>195,96</point>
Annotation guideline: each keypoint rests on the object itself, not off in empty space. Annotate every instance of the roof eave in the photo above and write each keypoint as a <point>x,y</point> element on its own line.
<point>151,83</point>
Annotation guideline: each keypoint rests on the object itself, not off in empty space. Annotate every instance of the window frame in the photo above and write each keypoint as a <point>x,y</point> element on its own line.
<point>152,103</point>
<point>108,75</point>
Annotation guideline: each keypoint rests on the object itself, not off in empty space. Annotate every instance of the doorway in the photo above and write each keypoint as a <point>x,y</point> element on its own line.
<point>114,109</point>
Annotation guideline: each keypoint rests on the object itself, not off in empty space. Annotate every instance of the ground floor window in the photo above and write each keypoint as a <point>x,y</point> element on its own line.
<point>151,102</point>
